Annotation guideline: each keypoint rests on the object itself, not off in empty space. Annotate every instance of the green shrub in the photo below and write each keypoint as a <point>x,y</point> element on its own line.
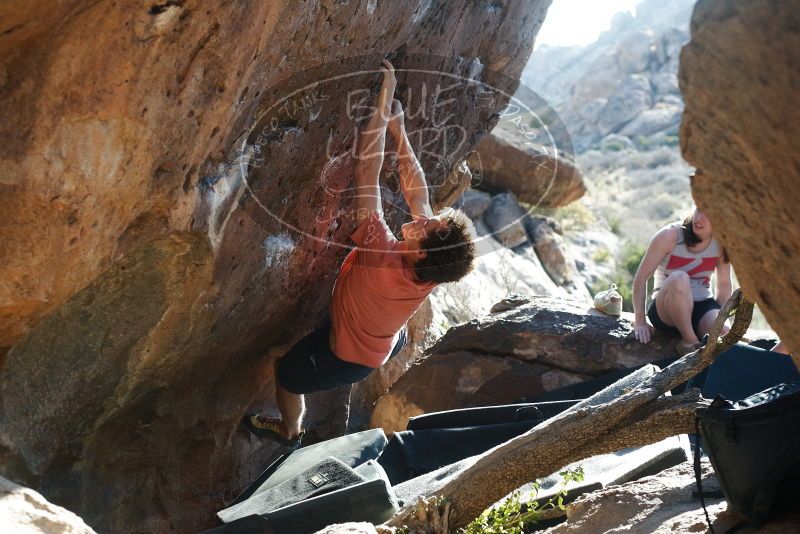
<point>671,140</point>
<point>512,516</point>
<point>632,256</point>
<point>601,255</point>
<point>574,217</point>
<point>614,222</point>
<point>629,260</point>
<point>643,142</point>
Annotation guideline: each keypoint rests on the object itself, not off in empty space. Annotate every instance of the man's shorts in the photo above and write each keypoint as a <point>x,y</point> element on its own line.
<point>701,307</point>
<point>311,365</point>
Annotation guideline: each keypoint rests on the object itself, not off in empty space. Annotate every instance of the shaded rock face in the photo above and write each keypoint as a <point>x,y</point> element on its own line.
<point>25,511</point>
<point>741,131</point>
<point>529,346</point>
<point>504,217</point>
<point>167,232</point>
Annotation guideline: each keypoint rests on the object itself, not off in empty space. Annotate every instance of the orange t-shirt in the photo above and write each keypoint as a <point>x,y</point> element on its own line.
<point>374,295</point>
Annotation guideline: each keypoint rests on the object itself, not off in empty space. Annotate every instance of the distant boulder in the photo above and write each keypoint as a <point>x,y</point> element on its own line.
<point>636,51</point>
<point>550,248</point>
<point>632,97</point>
<point>508,162</point>
<point>665,83</point>
<point>533,345</point>
<point>474,203</point>
<point>504,217</point>
<point>659,119</point>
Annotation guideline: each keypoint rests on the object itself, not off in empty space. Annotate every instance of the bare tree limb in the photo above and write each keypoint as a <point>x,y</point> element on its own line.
<point>639,417</point>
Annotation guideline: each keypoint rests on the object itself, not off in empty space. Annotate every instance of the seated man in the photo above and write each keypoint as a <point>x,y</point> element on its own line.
<point>382,281</point>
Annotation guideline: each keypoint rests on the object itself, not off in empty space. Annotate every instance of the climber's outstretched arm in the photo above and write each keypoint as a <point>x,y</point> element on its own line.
<point>412,177</point>
<point>371,143</point>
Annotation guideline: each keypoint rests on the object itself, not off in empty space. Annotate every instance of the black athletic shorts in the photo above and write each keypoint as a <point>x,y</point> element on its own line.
<point>701,307</point>
<point>311,365</point>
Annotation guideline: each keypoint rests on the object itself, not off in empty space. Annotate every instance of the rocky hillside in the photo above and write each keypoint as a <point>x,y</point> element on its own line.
<point>173,184</point>
<point>621,104</point>
<point>625,83</point>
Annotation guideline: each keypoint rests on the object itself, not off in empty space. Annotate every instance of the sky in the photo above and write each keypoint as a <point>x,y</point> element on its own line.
<point>580,22</point>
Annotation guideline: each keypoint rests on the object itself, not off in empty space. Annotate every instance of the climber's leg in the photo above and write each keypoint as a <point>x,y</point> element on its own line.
<point>292,408</point>
<point>296,373</point>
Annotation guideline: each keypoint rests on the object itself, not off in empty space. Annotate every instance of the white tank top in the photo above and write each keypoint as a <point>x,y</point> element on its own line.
<point>698,265</point>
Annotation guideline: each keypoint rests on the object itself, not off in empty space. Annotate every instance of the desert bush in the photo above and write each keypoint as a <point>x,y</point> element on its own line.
<point>671,140</point>
<point>601,255</point>
<point>627,263</point>
<point>512,516</point>
<point>631,257</point>
<point>651,159</point>
<point>575,217</point>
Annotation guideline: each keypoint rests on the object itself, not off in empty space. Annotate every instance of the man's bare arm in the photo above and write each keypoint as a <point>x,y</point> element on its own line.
<point>412,178</point>
<point>371,142</point>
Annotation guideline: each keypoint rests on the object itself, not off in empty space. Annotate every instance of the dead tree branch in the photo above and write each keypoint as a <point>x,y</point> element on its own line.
<point>640,417</point>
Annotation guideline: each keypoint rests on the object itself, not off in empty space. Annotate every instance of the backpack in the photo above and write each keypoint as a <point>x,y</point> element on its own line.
<point>754,448</point>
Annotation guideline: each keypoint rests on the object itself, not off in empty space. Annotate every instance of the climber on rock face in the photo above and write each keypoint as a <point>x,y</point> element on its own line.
<point>382,281</point>
<point>683,257</point>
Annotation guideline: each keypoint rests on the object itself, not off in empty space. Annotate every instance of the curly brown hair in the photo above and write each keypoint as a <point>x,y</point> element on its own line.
<point>450,250</point>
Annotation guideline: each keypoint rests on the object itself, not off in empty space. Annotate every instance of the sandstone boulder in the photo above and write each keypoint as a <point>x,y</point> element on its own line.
<point>741,132</point>
<point>24,511</point>
<point>552,251</point>
<point>660,504</point>
<point>550,248</point>
<point>174,190</point>
<point>464,379</point>
<point>557,332</point>
<point>530,346</point>
<point>508,161</point>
